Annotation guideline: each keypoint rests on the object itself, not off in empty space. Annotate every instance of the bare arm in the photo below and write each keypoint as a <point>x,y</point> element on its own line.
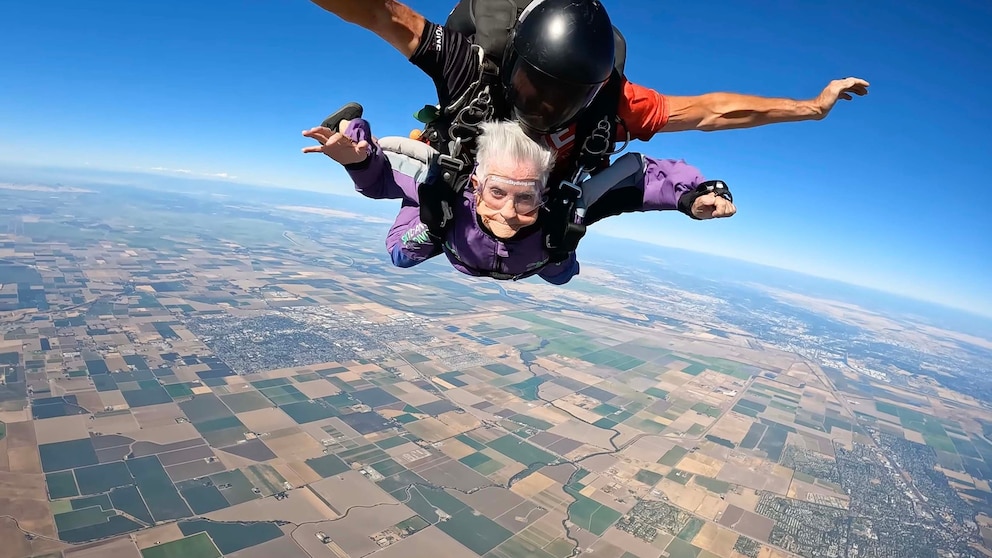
<point>726,111</point>
<point>394,22</point>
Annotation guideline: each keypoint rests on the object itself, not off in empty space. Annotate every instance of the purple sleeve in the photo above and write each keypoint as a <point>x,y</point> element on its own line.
<point>408,243</point>
<point>374,177</point>
<point>665,180</point>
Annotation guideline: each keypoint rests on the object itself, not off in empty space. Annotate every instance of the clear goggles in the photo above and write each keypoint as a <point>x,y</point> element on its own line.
<point>496,191</point>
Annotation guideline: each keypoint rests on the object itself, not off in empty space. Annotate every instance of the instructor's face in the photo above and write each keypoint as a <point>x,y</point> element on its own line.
<point>508,199</point>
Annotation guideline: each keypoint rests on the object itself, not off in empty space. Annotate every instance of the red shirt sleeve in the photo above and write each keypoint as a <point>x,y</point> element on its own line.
<point>643,110</point>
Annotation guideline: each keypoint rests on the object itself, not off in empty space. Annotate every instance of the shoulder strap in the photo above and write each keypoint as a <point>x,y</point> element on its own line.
<point>595,137</point>
<point>596,129</point>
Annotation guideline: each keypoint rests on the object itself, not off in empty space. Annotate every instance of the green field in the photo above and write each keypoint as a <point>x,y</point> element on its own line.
<point>649,478</point>
<point>708,410</point>
<point>156,488</point>
<point>196,546</point>
<point>96,479</point>
<point>532,422</point>
<point>590,514</point>
<point>232,537</point>
<point>61,485</point>
<point>673,456</point>
<point>691,529</point>
<point>240,489</point>
<point>520,451</point>
<point>713,485</point>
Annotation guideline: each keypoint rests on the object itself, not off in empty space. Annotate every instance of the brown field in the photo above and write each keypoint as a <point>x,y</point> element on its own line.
<point>700,464</point>
<point>662,541</point>
<point>293,444</point>
<point>586,432</point>
<point>429,542</point>
<point>4,462</point>
<point>453,449</point>
<point>317,388</point>
<point>116,362</point>
<point>22,449</point>
<point>431,429</point>
<point>16,546</point>
<point>157,535</point>
<point>649,449</point>
<point>194,469</point>
<point>629,543</point>
<point>113,399</point>
<point>711,507</point>
<point>282,547</point>
<point>509,469</point>
<point>351,490</point>
<point>491,502</point>
<point>731,427</point>
<point>752,472</point>
<point>351,533</point>
<point>749,523</point>
<point>715,539</point>
<point>114,424</point>
<point>454,474</point>
<point>157,415</point>
<point>769,552</point>
<point>459,422</point>
<point>603,549</point>
<point>744,498</point>
<point>116,548</point>
<point>27,494</point>
<point>531,485</point>
<point>232,461</point>
<point>683,496</point>
<point>168,434</point>
<point>413,395</point>
<point>267,420</point>
<point>302,472</point>
<point>61,429</point>
<point>580,406</point>
<point>799,491</point>
<point>300,507</point>
<point>21,435</point>
<point>90,400</point>
<point>287,472</point>
<point>521,517</point>
<point>685,422</point>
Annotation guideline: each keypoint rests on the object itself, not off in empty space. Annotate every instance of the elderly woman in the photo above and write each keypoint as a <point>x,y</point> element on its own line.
<point>496,229</point>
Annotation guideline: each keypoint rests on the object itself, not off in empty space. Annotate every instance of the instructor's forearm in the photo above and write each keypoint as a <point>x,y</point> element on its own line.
<point>396,23</point>
<point>724,111</point>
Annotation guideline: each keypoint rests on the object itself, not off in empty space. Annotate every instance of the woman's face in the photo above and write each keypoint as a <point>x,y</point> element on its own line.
<point>509,199</point>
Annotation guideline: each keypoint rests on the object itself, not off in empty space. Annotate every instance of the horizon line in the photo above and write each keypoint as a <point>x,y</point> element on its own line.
<point>237,181</point>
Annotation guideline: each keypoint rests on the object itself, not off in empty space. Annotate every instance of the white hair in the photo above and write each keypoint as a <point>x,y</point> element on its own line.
<point>505,143</point>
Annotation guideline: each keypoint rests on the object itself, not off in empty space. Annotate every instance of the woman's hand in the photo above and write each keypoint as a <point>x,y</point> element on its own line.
<point>336,145</point>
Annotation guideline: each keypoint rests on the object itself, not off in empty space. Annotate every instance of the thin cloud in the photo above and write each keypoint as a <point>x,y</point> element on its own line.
<point>221,175</point>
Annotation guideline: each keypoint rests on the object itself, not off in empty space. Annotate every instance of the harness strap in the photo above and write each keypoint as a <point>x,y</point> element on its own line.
<point>596,129</point>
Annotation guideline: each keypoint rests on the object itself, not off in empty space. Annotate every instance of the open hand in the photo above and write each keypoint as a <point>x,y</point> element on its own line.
<point>712,206</point>
<point>839,89</point>
<point>336,145</point>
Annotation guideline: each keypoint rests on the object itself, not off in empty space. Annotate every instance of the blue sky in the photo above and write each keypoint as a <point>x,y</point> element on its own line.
<point>888,191</point>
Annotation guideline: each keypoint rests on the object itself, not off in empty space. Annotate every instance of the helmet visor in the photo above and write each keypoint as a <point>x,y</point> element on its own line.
<point>544,103</point>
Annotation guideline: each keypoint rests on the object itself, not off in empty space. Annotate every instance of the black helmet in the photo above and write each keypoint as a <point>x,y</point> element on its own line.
<point>559,55</point>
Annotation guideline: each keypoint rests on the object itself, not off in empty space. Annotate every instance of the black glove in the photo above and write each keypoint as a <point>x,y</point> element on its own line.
<point>717,187</point>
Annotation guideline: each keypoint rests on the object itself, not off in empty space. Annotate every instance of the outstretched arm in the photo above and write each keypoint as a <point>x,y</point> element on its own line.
<point>726,111</point>
<point>636,183</point>
<point>646,112</point>
<point>394,22</point>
